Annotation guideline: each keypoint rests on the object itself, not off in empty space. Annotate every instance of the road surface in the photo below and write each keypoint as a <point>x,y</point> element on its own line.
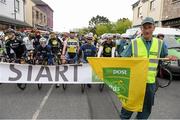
<point>52,103</point>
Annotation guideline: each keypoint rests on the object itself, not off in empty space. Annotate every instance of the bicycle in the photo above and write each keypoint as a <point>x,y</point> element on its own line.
<point>40,60</point>
<point>163,67</point>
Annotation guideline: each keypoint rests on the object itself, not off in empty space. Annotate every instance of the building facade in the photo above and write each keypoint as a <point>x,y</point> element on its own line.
<point>39,19</point>
<point>165,12</point>
<point>171,13</point>
<point>144,8</point>
<point>12,13</point>
<point>45,8</point>
<point>29,4</point>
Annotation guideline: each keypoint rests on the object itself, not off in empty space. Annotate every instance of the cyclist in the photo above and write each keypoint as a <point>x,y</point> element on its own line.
<point>56,44</point>
<point>71,48</point>
<point>43,52</point>
<point>160,36</point>
<point>14,46</point>
<point>29,42</point>
<point>37,37</point>
<point>87,50</point>
<point>107,48</point>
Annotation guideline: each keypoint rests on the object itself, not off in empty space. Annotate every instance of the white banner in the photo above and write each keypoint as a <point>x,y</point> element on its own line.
<point>34,74</point>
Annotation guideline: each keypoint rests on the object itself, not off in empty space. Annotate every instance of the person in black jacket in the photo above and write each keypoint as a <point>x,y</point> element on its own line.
<point>14,46</point>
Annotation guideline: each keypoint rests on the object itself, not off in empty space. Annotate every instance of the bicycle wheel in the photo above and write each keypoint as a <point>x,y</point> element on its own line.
<point>83,88</point>
<point>64,87</point>
<point>57,85</point>
<point>165,82</point>
<point>101,87</point>
<point>21,86</point>
<point>39,86</point>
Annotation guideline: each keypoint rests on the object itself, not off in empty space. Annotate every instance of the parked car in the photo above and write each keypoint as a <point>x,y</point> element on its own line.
<point>173,49</point>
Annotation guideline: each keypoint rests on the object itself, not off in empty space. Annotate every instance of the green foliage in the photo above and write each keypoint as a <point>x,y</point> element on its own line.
<point>98,20</point>
<point>100,25</point>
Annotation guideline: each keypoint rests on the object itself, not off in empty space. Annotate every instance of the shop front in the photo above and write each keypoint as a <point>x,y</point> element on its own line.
<point>173,23</point>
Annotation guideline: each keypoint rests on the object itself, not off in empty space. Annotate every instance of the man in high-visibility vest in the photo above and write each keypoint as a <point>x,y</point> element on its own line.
<point>150,47</point>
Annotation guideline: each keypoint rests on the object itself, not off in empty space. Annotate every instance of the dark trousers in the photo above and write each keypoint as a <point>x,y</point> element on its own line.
<point>147,107</point>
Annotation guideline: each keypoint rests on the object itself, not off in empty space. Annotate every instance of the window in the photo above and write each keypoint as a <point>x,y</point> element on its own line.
<point>3,1</point>
<point>33,14</point>
<point>44,19</point>
<point>139,12</point>
<point>37,15</point>
<point>41,17</point>
<point>152,5</point>
<point>17,6</point>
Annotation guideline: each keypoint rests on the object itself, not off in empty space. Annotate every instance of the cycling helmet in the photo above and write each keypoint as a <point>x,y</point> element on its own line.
<point>43,40</point>
<point>160,35</point>
<point>9,31</point>
<point>89,36</point>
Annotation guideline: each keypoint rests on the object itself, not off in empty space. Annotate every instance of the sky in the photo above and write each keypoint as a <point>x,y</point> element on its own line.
<point>70,14</point>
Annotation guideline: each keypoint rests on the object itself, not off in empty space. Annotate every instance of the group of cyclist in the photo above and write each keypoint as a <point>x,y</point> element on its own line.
<point>56,48</point>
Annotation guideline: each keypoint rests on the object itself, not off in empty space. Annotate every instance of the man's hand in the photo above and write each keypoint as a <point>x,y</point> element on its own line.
<point>172,58</point>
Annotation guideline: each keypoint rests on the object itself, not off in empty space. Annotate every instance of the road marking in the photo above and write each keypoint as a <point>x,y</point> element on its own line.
<point>36,114</point>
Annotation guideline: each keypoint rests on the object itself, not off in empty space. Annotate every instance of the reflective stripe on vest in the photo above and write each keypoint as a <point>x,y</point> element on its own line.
<point>139,50</point>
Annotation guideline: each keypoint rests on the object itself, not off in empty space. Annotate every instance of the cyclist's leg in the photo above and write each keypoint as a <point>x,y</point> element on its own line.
<point>50,59</point>
<point>148,102</point>
<point>76,58</point>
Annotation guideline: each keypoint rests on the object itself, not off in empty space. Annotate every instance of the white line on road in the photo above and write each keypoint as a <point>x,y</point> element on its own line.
<point>36,114</point>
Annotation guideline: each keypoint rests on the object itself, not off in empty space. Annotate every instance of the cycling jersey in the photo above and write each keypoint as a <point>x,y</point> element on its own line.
<point>56,45</point>
<point>29,43</point>
<point>88,51</point>
<point>107,48</point>
<point>17,46</point>
<point>72,45</point>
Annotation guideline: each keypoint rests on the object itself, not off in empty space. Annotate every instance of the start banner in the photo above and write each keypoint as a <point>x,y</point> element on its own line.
<point>34,74</point>
<point>127,77</point>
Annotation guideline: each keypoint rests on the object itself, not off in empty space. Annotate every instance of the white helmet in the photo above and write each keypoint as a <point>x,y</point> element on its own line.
<point>42,40</point>
<point>104,36</point>
<point>89,35</point>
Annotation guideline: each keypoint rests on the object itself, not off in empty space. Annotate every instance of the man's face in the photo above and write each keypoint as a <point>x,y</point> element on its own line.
<point>89,40</point>
<point>147,30</point>
<point>11,36</point>
<point>72,35</point>
<point>109,40</point>
<point>43,44</point>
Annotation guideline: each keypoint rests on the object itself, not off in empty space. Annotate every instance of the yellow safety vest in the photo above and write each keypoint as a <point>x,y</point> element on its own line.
<point>139,50</point>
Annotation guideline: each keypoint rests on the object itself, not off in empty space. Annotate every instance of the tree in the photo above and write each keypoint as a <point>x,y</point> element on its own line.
<point>103,28</point>
<point>98,20</point>
<point>100,25</point>
<point>122,25</point>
